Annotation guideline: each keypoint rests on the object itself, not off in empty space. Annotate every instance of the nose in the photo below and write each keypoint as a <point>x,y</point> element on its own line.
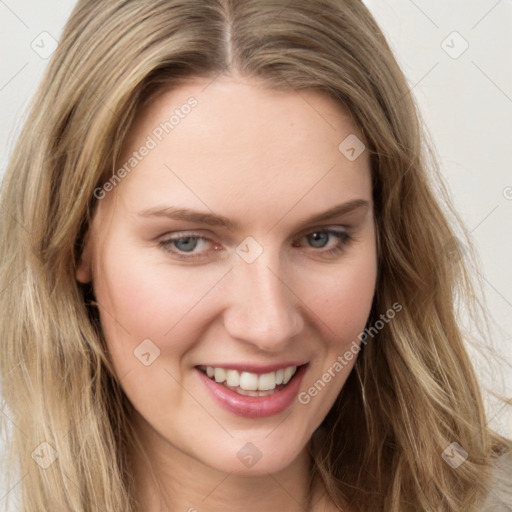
<point>263,309</point>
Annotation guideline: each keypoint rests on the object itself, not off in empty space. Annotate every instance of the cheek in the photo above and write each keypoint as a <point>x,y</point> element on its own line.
<point>341,309</point>
<point>344,296</point>
<point>142,299</point>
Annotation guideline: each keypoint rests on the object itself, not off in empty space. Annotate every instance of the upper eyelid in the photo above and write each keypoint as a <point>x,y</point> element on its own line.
<point>196,234</point>
<point>331,228</point>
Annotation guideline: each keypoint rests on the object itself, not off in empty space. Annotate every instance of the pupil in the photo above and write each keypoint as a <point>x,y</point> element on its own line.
<point>187,244</point>
<point>318,237</point>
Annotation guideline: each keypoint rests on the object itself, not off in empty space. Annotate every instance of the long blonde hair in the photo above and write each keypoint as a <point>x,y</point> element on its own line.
<point>413,391</point>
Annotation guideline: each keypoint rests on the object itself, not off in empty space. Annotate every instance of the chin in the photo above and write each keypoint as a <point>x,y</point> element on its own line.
<point>259,457</point>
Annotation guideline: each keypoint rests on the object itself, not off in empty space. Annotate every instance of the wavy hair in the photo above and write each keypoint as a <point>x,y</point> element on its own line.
<point>413,390</point>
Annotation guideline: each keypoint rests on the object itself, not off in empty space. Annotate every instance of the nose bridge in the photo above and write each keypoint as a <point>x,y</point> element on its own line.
<point>264,310</point>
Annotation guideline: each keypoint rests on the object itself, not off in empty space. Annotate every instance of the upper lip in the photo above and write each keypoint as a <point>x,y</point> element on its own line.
<point>255,368</point>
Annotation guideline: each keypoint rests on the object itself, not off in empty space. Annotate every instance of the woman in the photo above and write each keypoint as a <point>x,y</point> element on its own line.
<point>231,286</point>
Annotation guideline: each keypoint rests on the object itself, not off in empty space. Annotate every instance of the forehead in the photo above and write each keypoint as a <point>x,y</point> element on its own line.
<point>243,113</point>
<point>237,139</point>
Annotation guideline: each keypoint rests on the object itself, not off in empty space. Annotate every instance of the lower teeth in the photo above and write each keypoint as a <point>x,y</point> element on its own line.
<point>245,392</point>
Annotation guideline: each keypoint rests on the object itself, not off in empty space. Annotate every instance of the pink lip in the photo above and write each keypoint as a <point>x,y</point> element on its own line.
<point>258,369</point>
<point>255,406</point>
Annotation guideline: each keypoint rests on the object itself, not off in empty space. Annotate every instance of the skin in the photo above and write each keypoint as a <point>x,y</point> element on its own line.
<point>268,160</point>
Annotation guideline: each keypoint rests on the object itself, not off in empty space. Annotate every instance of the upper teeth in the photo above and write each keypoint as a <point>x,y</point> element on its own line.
<point>251,381</point>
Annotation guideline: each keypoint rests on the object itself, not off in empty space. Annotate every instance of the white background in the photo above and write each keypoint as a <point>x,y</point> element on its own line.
<point>466,103</point>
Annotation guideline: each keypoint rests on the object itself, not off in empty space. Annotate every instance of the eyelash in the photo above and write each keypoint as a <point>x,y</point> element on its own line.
<point>344,237</point>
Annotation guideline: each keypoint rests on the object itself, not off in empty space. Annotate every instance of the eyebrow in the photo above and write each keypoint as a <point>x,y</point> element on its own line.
<point>212,219</point>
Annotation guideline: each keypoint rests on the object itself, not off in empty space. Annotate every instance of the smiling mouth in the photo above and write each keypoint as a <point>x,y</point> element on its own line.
<point>249,383</point>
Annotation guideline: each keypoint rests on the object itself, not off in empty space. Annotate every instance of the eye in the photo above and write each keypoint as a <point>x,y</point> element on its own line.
<point>185,246</point>
<point>319,239</point>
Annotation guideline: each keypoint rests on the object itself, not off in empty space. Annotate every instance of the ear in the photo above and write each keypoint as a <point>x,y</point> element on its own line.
<point>84,268</point>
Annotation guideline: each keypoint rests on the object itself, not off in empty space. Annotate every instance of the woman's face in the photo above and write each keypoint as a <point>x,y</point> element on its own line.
<point>239,241</point>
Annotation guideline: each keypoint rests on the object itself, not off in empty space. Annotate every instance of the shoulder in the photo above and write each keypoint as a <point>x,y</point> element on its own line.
<point>499,498</point>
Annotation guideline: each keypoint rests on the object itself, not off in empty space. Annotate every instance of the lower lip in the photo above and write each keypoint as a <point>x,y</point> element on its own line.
<point>255,406</point>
